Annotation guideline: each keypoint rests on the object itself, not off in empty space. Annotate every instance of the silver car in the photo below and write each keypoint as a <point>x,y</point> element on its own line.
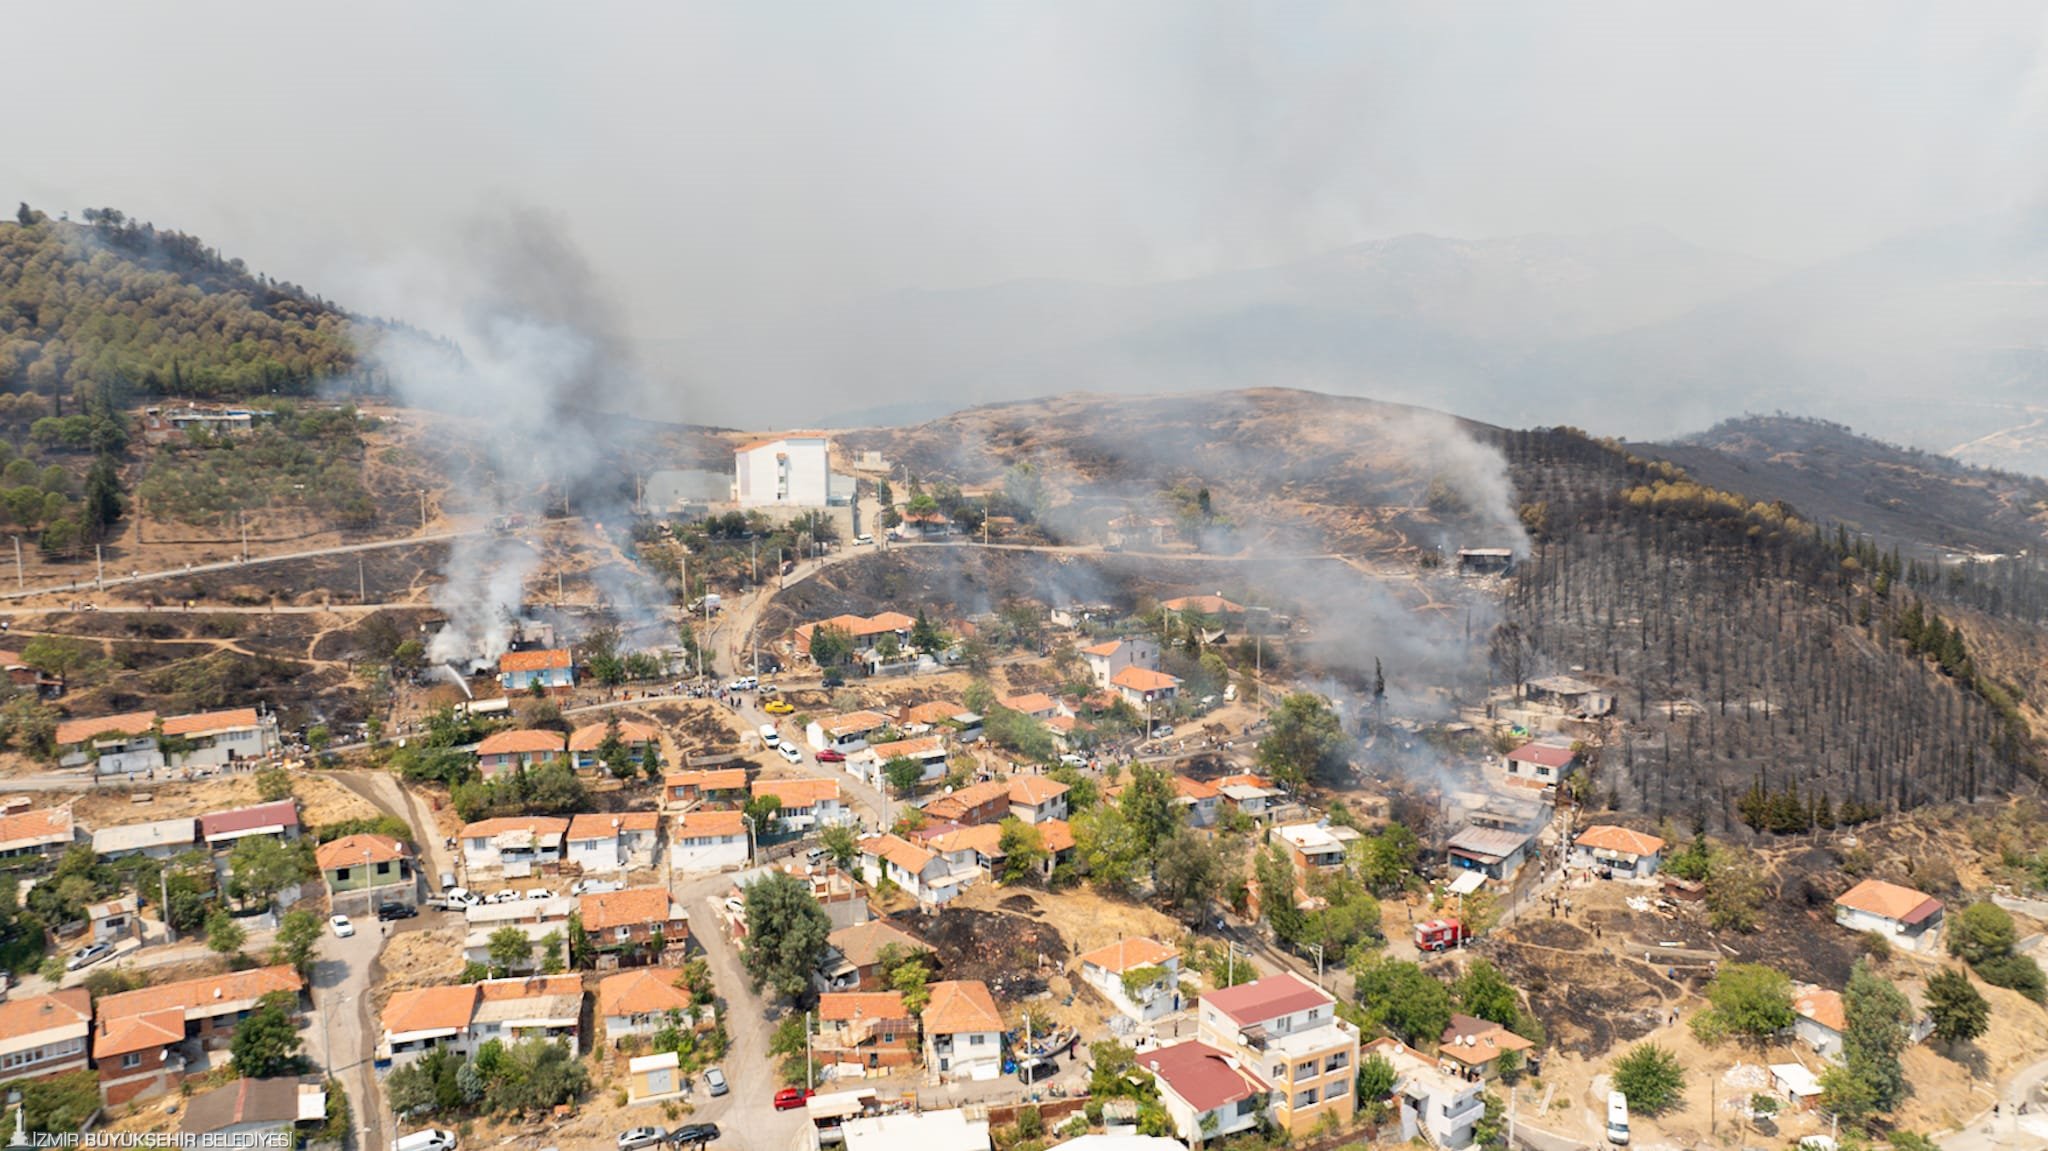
<point>638,1137</point>
<point>715,1079</point>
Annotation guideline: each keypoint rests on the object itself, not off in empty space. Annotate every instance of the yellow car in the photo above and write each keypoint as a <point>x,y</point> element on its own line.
<point>777,707</point>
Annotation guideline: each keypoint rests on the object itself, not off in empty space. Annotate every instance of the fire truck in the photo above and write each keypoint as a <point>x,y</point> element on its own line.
<point>1439,935</point>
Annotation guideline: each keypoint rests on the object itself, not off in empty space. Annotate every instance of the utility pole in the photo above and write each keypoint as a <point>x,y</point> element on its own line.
<point>753,560</point>
<point>163,884</point>
<point>362,588</point>
<point>99,558</point>
<point>809,1084</point>
<point>1319,964</point>
<point>19,583</point>
<point>423,509</point>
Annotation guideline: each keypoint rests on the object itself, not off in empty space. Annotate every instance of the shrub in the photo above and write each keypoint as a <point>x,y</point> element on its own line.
<point>1650,1077</point>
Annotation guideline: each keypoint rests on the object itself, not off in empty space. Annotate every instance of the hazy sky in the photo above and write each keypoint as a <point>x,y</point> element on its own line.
<point>720,163</point>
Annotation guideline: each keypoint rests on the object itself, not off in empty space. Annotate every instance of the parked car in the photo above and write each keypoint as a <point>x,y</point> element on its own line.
<point>88,955</point>
<point>769,689</point>
<point>778,707</point>
<point>863,539</point>
<point>540,893</point>
<point>789,752</point>
<point>386,912</point>
<point>693,1134</point>
<point>769,736</point>
<point>506,895</point>
<point>461,897</point>
<point>342,927</point>
<point>431,1139</point>
<point>830,756</point>
<point>637,1137</point>
<point>448,882</point>
<point>596,886</point>
<point>734,904</point>
<point>790,1098</point>
<point>1074,759</point>
<point>715,1079</point>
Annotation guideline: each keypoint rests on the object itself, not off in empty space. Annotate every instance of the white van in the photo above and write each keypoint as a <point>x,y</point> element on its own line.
<point>432,1139</point>
<point>769,736</point>
<point>1617,1118</point>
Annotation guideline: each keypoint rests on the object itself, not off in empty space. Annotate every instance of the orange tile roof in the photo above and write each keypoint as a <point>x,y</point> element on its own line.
<point>205,992</point>
<point>647,991</point>
<point>1125,954</point>
<point>796,793</point>
<point>1192,788</point>
<point>720,779</point>
<point>1106,648</point>
<point>1057,835</point>
<point>537,824</point>
<point>520,741</point>
<point>1033,790</point>
<point>350,850</point>
<point>430,1009</point>
<point>128,723</point>
<point>933,711</point>
<point>207,722</point>
<point>1607,837</point>
<point>631,731</point>
<point>549,659</point>
<point>1136,678</point>
<point>842,1006</point>
<point>633,907</point>
<point>132,1033</point>
<point>698,824</point>
<point>853,721</point>
<point>1489,1041</point>
<point>1064,724</point>
<point>922,745</point>
<point>961,1005</point>
<point>1888,900</point>
<point>957,804</point>
<point>1245,780</point>
<point>986,838</point>
<point>71,1007</point>
<point>599,825</point>
<point>891,621</point>
<point>532,987</point>
<point>1030,702</point>
<point>41,827</point>
<point>899,851</point>
<point>1206,604</point>
<point>1823,1007</point>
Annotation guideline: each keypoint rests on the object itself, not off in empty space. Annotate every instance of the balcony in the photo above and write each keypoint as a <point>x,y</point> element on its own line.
<point>1456,1114</point>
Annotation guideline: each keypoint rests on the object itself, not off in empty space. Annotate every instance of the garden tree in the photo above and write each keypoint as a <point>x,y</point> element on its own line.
<point>888,647</point>
<point>1109,847</point>
<point>259,867</point>
<point>903,774</point>
<point>538,1075</point>
<point>1959,1010</point>
<point>1869,1078</point>
<point>1403,1000</point>
<point>786,932</point>
<point>764,812</point>
<point>1386,861</point>
<point>1148,807</point>
<point>1483,992</point>
<point>297,933</point>
<point>1023,850</point>
<point>1735,891</point>
<point>1190,872</point>
<point>223,934</point>
<point>1650,1077</point>
<point>1751,1000</point>
<point>925,637</point>
<point>1509,1067</point>
<point>28,725</point>
<point>1347,925</point>
<point>1274,873</point>
<point>906,972</point>
<point>1306,737</point>
<point>1376,1078</point>
<point>579,943</point>
<point>841,843</point>
<point>2019,973</point>
<point>1489,1131</point>
<point>510,950</point>
<point>790,1040</point>
<point>611,750</point>
<point>830,646</point>
<point>1980,932</point>
<point>266,1044</point>
<point>425,1084</point>
<point>1082,792</point>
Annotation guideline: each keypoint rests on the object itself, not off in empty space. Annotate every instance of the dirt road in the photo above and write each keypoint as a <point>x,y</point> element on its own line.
<point>84,585</point>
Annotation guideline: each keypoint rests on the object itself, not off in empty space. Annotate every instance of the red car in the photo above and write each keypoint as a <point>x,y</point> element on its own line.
<point>790,1098</point>
<point>830,756</point>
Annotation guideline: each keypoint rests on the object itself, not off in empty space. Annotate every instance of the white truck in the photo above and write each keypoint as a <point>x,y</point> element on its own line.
<point>431,1139</point>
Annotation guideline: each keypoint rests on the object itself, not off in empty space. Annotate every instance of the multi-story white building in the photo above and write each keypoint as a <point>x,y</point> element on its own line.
<point>1286,1030</point>
<point>963,1031</point>
<point>1108,658</point>
<point>1208,1093</point>
<point>792,471</point>
<point>1447,1106</point>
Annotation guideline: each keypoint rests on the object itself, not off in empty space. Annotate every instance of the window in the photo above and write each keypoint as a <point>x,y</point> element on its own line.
<point>1306,1098</point>
<point>1336,1087</point>
<point>1248,1105</point>
<point>1335,1062</point>
<point>341,875</point>
<point>1279,1071</point>
<point>976,1039</point>
<point>131,1060</point>
<point>623,932</point>
<point>1305,1070</point>
<point>1315,1013</point>
<point>384,869</point>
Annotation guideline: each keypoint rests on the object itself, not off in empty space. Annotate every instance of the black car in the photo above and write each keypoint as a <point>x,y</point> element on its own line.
<point>391,911</point>
<point>693,1134</point>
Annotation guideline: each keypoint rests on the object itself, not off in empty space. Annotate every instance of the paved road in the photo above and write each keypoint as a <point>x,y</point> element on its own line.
<point>87,585</point>
<point>2008,1130</point>
<point>339,1034</point>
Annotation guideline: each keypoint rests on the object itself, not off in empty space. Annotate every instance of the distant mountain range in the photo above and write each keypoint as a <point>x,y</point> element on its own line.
<point>1933,339</point>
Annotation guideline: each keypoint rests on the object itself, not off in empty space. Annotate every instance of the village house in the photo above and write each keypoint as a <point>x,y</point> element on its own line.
<point>1618,851</point>
<point>139,742</point>
<point>788,471</point>
<point>946,717</point>
<point>119,744</point>
<point>248,1114</point>
<point>278,820</point>
<point>1140,977</point>
<point>1820,1019</point>
<point>1434,1105</point>
<point>45,831</point>
<point>139,1036</point>
<point>1035,704</point>
<point>846,733</point>
<point>929,750</point>
<point>946,1130</point>
<point>1314,848</point>
<point>645,1000</point>
<point>853,955</point>
<point>1485,561</point>
<point>925,875</point>
<point>719,787</point>
<point>1542,763</point>
<point>862,631</point>
<point>521,749</point>
<point>638,924</point>
<point>1251,795</point>
<point>45,1035</point>
<point>1209,1094</point>
<point>1904,917</point>
<point>514,844</point>
<point>157,839</point>
<point>806,803</point>
<point>367,870</point>
<point>642,743</point>
<point>1493,852</point>
<point>1141,688</point>
<point>1214,606</point>
<point>985,802</point>
<point>1569,694</point>
<point>871,1030</point>
<point>602,844</point>
<point>1286,1030</point>
<point>1198,800</point>
<point>705,840</point>
<point>465,1016</point>
<point>551,669</point>
<point>1036,799</point>
<point>113,920</point>
<point>1108,658</point>
<point>1472,1047</point>
<point>1796,1084</point>
<point>963,1031</point>
<point>972,848</point>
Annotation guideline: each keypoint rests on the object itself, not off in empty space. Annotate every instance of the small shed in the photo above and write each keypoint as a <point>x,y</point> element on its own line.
<point>1796,1083</point>
<point>651,1078</point>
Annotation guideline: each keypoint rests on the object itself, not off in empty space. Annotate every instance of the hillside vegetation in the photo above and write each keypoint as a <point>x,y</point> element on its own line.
<point>117,303</point>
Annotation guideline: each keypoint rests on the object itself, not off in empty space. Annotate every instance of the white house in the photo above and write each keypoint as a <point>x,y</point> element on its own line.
<point>1446,1105</point>
<point>1037,799</point>
<point>844,733</point>
<point>514,844</point>
<point>963,1031</point>
<point>643,1001</point>
<point>1626,854</point>
<point>1106,968</point>
<point>928,750</point>
<point>136,742</point>
<point>1209,1093</point>
<point>926,875</point>
<point>1140,686</point>
<point>159,839</point>
<point>1908,918</point>
<point>705,840</point>
<point>791,471</point>
<point>1199,799</point>
<point>465,1016</point>
<point>1106,659</point>
<point>806,803</point>
<point>1819,1019</point>
<point>608,843</point>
